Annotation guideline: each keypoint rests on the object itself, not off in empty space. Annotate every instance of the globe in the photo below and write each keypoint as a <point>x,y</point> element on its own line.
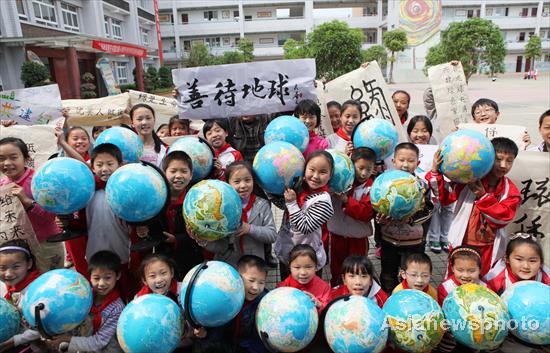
<point>127,141</point>
<point>150,323</point>
<point>343,175</point>
<point>278,165</point>
<point>212,209</point>
<point>356,325</point>
<point>63,185</point>
<point>9,317</point>
<point>217,295</point>
<point>289,129</point>
<point>200,152</point>
<point>415,319</point>
<point>136,192</point>
<point>396,194</point>
<point>528,303</point>
<point>67,299</point>
<point>477,316</point>
<point>287,319</point>
<point>377,134</point>
<point>467,156</point>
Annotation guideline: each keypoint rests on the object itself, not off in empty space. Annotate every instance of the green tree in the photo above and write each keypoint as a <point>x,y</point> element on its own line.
<point>246,48</point>
<point>87,89</point>
<point>533,49</point>
<point>165,77</point>
<point>34,74</point>
<point>151,79</point>
<point>395,41</point>
<point>378,53</point>
<point>435,56</point>
<point>198,56</point>
<point>294,49</point>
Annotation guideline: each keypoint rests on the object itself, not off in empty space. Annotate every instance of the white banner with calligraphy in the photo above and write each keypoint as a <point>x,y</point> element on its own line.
<point>14,222</point>
<point>30,106</point>
<point>325,127</point>
<point>367,86</point>
<point>104,111</point>
<point>165,107</point>
<point>40,140</point>
<point>223,91</point>
<point>530,173</point>
<point>513,132</point>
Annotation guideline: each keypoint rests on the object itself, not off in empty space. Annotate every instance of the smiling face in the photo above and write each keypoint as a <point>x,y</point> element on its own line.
<point>78,139</point>
<point>178,175</point>
<point>420,134</point>
<point>524,261</point>
<point>503,164</point>
<point>158,277</point>
<point>544,130</point>
<point>349,119</point>
<point>406,160</point>
<point>143,121</point>
<point>178,129</point>
<point>401,102</point>
<point>14,267</point>
<point>302,269</point>
<point>466,270</point>
<point>12,162</point>
<point>357,283</point>
<point>334,115</point>
<point>241,180</point>
<point>216,136</point>
<point>485,114</point>
<point>417,275</point>
<point>254,281</point>
<point>363,170</point>
<point>309,120</point>
<point>103,280</point>
<point>105,165</point>
<point>318,172</point>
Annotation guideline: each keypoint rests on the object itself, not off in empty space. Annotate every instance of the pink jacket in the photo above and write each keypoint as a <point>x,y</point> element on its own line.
<point>315,143</point>
<point>43,222</point>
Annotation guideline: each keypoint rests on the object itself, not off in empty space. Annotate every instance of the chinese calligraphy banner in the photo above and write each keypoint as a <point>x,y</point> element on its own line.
<point>513,132</point>
<point>40,140</point>
<point>97,111</point>
<point>450,95</point>
<point>530,174</point>
<point>325,128</point>
<point>165,107</point>
<point>367,86</point>
<point>223,91</point>
<point>29,106</point>
<point>14,222</point>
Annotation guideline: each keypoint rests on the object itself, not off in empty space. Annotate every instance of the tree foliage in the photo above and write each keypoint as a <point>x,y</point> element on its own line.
<point>533,49</point>
<point>33,74</point>
<point>395,41</point>
<point>378,53</point>
<point>294,49</point>
<point>151,79</point>
<point>246,48</point>
<point>198,56</point>
<point>87,89</point>
<point>165,77</point>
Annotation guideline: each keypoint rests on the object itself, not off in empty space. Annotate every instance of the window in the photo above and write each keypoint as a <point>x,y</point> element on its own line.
<point>116,29</point>
<point>370,11</point>
<point>166,18</point>
<point>184,18</point>
<point>473,13</point>
<point>263,14</point>
<point>142,4</point>
<point>121,73</point>
<point>107,27</point>
<point>460,13</point>
<point>144,36</point>
<point>267,41</point>
<point>547,57</point>
<point>186,45</point>
<point>524,12</point>
<point>533,12</point>
<point>226,41</point>
<point>213,42</point>
<point>248,17</point>
<point>210,15</point>
<point>489,12</point>
<point>236,13</point>
<point>521,37</point>
<point>70,17</point>
<point>21,9</point>
<point>226,14</point>
<point>44,11</point>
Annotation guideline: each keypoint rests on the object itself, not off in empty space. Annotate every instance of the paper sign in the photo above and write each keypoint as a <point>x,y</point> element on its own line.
<point>426,157</point>
<point>165,107</point>
<point>29,106</point>
<point>513,132</point>
<point>14,222</point>
<point>104,67</point>
<point>40,140</point>
<point>325,128</point>
<point>104,111</point>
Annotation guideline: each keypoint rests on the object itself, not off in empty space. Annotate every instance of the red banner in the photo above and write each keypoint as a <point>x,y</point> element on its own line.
<point>119,48</point>
<point>157,22</point>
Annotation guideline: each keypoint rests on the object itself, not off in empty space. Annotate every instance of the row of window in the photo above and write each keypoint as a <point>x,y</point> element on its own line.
<point>214,15</point>
<point>495,12</point>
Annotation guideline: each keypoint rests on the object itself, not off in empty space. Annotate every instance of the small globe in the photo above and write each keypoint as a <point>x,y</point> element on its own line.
<point>278,165</point>
<point>528,303</point>
<point>356,325</point>
<point>287,319</point>
<point>415,319</point>
<point>377,134</point>
<point>216,296</point>
<point>63,185</point>
<point>289,129</point>
<point>67,299</point>
<point>200,152</point>
<point>150,323</point>
<point>477,316</point>
<point>136,192</point>
<point>467,156</point>
<point>212,209</point>
<point>9,317</point>
<point>127,141</point>
<point>343,175</point>
<point>396,194</point>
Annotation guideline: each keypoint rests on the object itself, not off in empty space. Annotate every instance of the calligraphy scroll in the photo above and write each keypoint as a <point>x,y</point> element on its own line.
<point>29,106</point>
<point>40,140</point>
<point>165,107</point>
<point>98,111</point>
<point>513,132</point>
<point>14,222</point>
<point>325,127</point>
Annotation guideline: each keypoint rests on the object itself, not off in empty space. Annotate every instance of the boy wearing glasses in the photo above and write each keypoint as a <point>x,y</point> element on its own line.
<point>416,272</point>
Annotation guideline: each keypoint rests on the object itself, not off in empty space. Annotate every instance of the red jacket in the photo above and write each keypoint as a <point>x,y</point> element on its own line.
<point>359,205</point>
<point>500,277</point>
<point>319,288</point>
<point>449,285</point>
<point>375,293</point>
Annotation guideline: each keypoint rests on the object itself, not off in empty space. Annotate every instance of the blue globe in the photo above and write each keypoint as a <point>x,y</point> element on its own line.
<point>289,129</point>
<point>136,192</point>
<point>200,152</point>
<point>9,317</point>
<point>150,323</point>
<point>63,185</point>
<point>356,325</point>
<point>415,319</point>
<point>278,165</point>
<point>127,141</point>
<point>288,318</point>
<point>528,303</point>
<point>217,294</point>
<point>377,134</point>
<point>343,175</point>
<point>467,156</point>
<point>212,209</point>
<point>67,297</point>
<point>396,194</point>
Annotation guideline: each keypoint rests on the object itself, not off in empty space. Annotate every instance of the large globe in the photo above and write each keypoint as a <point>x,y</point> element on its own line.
<point>136,192</point>
<point>63,185</point>
<point>66,296</point>
<point>528,303</point>
<point>150,323</point>
<point>343,174</point>
<point>287,319</point>
<point>415,319</point>
<point>289,129</point>
<point>377,134</point>
<point>127,141</point>
<point>217,295</point>
<point>200,152</point>
<point>278,165</point>
<point>9,317</point>
<point>356,325</point>
<point>396,194</point>
<point>477,316</point>
<point>212,209</point>
<point>467,156</point>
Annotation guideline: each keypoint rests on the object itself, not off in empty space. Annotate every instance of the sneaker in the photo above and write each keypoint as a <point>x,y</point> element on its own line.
<point>445,246</point>
<point>378,252</point>
<point>435,247</point>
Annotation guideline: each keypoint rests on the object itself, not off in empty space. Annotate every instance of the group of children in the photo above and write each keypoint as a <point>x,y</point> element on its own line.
<point>319,228</point>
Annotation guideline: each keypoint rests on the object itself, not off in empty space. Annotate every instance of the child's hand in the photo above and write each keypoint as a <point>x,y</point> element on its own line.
<point>290,195</point>
<point>170,238</point>
<point>59,134</point>
<point>477,188</point>
<point>65,113</point>
<point>192,235</point>
<point>63,221</point>
<point>18,191</point>
<point>383,219</point>
<point>175,93</point>
<point>8,344</point>
<point>142,231</point>
<point>200,332</point>
<point>7,123</point>
<point>526,139</point>
<point>315,301</point>
<point>437,162</point>
<point>245,229</point>
<point>53,344</point>
<point>342,196</point>
<point>454,62</point>
<point>349,148</point>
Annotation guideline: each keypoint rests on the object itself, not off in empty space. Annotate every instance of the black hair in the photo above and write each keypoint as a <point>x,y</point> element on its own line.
<point>17,142</point>
<point>156,139</point>
<point>74,128</point>
<point>307,106</point>
<point>484,101</point>
<point>504,144</point>
<point>350,103</point>
<point>334,104</point>
<point>420,118</point>
<point>531,241</point>
<point>105,260</point>
<point>162,126</point>
<point>407,146</point>
<point>107,148</point>
<point>416,257</point>
<point>176,120</point>
<point>358,265</point>
<point>544,115</point>
<point>177,156</point>
<point>209,124</point>
<point>153,257</point>
<point>236,165</point>
<point>21,244</point>
<point>95,129</point>
<point>363,153</point>
<point>302,250</point>
<point>246,261</point>
<point>322,153</point>
<point>466,252</point>
<point>408,97</point>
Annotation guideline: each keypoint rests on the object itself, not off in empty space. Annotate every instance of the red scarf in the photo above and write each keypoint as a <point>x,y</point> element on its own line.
<point>406,286</point>
<point>31,276</point>
<point>95,311</point>
<point>86,156</point>
<point>306,191</point>
<point>343,135</point>
<point>303,287</point>
<point>222,149</point>
<point>146,290</point>
<point>244,219</point>
<point>172,212</point>
<point>312,134</point>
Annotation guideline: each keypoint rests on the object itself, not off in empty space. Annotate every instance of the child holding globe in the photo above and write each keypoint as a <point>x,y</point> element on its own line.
<point>310,114</point>
<point>350,116</point>
<point>143,121</point>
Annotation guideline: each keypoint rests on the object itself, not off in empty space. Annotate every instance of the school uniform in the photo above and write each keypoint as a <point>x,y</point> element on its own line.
<point>243,331</point>
<point>375,293</point>
<point>317,287</point>
<point>316,143</point>
<point>338,141</point>
<point>501,277</point>
<point>449,285</point>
